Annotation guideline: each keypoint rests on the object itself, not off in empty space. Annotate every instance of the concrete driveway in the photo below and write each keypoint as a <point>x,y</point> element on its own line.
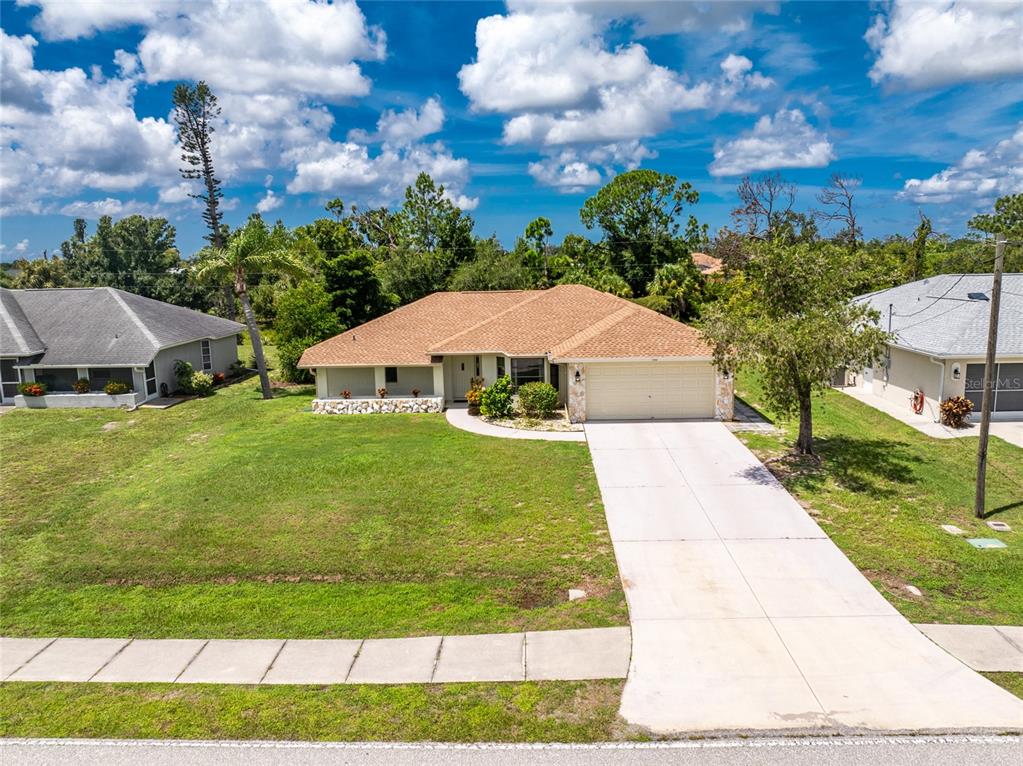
<point>745,615</point>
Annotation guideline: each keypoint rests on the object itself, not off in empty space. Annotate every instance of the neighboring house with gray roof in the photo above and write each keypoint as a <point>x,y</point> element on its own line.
<point>58,336</point>
<point>940,326</point>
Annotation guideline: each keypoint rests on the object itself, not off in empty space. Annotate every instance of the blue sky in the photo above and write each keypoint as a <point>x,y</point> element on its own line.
<point>521,109</point>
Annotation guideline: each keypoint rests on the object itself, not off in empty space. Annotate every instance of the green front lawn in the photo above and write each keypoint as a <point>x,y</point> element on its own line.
<point>882,491</point>
<point>234,517</point>
<point>526,712</point>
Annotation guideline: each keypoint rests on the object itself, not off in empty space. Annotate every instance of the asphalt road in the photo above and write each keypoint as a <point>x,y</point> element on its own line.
<point>845,751</point>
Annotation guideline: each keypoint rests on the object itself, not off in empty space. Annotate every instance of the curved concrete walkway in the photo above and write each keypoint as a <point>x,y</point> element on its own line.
<point>745,615</point>
<point>459,417</point>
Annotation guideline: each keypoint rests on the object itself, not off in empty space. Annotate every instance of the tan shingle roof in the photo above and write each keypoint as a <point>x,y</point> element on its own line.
<point>707,264</point>
<point>567,321</point>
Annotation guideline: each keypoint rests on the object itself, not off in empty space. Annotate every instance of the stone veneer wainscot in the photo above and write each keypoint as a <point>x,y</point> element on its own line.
<point>367,406</point>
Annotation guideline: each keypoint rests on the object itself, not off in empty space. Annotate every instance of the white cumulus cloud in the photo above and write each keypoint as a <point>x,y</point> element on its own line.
<point>279,47</point>
<point>981,176</point>
<point>784,140</point>
<point>66,130</point>
<point>942,42</point>
<point>405,126</point>
<point>574,170</point>
<point>555,76</point>
<point>21,247</point>
<point>268,202</point>
<point>71,19</point>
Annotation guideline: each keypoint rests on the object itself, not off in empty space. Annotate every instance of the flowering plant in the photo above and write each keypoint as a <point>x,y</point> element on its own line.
<point>32,389</point>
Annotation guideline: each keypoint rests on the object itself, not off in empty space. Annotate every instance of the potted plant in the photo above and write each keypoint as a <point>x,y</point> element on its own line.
<point>346,394</point>
<point>115,387</point>
<point>382,393</point>
<point>415,393</point>
<point>32,388</point>
<point>474,396</point>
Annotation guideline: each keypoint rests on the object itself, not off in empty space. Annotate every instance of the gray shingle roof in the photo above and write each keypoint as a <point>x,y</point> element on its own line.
<point>99,326</point>
<point>947,315</point>
<point>17,336</point>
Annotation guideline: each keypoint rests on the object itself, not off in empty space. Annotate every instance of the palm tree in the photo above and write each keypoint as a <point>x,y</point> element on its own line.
<point>252,249</point>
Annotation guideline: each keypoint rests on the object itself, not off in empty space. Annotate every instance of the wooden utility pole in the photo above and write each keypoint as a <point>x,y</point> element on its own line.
<point>989,373</point>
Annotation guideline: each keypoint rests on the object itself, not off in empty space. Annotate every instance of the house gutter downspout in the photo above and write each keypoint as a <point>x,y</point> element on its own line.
<point>941,384</point>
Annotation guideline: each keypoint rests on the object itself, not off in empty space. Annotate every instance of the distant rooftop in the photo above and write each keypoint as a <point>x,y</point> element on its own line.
<point>98,326</point>
<point>947,315</point>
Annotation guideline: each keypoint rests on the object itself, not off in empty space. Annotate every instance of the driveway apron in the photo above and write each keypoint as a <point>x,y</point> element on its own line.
<point>745,615</point>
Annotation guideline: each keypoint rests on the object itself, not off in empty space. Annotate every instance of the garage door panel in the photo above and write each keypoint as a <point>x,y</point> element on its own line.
<point>650,390</point>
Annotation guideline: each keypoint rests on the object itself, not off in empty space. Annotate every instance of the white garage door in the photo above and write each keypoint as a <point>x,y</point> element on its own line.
<point>649,390</point>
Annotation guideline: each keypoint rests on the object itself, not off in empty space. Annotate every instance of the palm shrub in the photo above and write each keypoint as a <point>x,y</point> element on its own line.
<point>496,399</point>
<point>538,399</point>
<point>955,411</point>
<point>252,249</point>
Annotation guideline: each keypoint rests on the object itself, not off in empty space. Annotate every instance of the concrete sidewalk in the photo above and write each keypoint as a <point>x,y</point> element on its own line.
<point>1010,430</point>
<point>989,648</point>
<point>745,615</point>
<point>564,655</point>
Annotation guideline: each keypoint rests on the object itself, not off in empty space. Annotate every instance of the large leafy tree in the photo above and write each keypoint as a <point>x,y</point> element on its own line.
<point>354,286</point>
<point>254,249</point>
<point>680,284</point>
<point>45,271</point>
<point>789,315</point>
<point>135,253</point>
<point>305,316</point>
<point>535,251</point>
<point>493,268</point>
<point>640,213</point>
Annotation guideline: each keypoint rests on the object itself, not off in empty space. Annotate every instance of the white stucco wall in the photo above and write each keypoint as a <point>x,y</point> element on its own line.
<point>359,380</point>
<point>362,381</point>
<point>907,372</point>
<point>223,353</point>
<point>412,377</point>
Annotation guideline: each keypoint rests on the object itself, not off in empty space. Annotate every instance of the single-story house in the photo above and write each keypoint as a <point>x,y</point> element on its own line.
<point>940,326</point>
<point>608,357</point>
<point>59,336</point>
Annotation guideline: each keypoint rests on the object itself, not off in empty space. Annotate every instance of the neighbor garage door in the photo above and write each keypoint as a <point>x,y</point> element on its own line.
<point>649,390</point>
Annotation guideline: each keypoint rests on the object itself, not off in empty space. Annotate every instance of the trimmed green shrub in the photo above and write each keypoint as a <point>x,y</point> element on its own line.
<point>955,411</point>
<point>496,399</point>
<point>201,384</point>
<point>81,386</point>
<point>114,387</point>
<point>32,388</point>
<point>538,400</point>
<point>183,372</point>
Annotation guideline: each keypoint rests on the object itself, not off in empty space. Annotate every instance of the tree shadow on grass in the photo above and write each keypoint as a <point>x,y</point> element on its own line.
<point>875,467</point>
<point>1003,509</point>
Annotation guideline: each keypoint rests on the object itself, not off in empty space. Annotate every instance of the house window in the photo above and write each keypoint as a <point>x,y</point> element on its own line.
<point>390,374</point>
<point>500,366</point>
<point>1007,387</point>
<point>57,379</point>
<point>100,376</point>
<point>527,370</point>
<point>207,355</point>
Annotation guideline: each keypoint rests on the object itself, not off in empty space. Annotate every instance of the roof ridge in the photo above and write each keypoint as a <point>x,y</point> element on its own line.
<point>592,331</point>
<point>528,299</point>
<point>134,317</point>
<point>19,339</point>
